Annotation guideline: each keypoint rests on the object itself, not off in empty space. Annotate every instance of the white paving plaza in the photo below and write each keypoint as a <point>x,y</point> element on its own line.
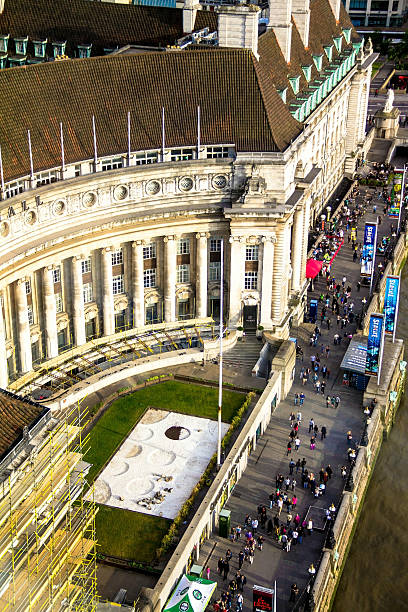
<point>159,463</point>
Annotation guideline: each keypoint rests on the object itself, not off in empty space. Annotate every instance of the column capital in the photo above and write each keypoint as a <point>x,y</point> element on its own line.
<point>170,237</point>
<point>21,281</point>
<point>205,235</point>
<point>137,243</point>
<point>78,257</point>
<point>236,239</point>
<point>107,249</point>
<point>269,238</point>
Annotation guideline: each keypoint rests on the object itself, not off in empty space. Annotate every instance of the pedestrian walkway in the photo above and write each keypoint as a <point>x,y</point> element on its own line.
<point>270,456</point>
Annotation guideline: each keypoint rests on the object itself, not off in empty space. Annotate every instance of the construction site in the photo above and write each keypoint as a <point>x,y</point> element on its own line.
<point>47,530</point>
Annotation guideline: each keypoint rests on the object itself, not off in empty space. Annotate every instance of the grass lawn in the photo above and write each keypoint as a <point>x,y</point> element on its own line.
<point>134,535</point>
<point>129,535</point>
<point>123,414</point>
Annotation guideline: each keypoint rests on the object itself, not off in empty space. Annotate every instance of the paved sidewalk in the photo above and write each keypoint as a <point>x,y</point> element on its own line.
<point>270,458</point>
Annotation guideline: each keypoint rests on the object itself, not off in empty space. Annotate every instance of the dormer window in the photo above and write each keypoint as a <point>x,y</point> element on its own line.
<point>357,45</point>
<point>295,81</point>
<point>318,60</point>
<point>337,42</point>
<point>21,45</point>
<point>328,49</point>
<point>84,51</point>
<point>307,71</point>
<point>3,61</point>
<point>59,48</point>
<point>39,48</point>
<point>347,34</point>
<point>282,93</point>
<point>4,41</point>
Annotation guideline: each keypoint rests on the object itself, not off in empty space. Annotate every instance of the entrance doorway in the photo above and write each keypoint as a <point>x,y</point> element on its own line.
<point>215,308</point>
<point>250,317</point>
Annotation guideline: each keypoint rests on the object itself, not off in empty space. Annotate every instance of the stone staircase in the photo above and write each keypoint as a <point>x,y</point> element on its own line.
<point>244,355</point>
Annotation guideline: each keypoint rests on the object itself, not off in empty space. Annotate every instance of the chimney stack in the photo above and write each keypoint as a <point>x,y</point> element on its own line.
<point>238,27</point>
<point>335,7</point>
<point>280,14</point>
<point>301,15</point>
<point>189,15</point>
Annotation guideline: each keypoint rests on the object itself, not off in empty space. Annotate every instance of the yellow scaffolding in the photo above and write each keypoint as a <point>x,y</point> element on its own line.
<point>47,530</point>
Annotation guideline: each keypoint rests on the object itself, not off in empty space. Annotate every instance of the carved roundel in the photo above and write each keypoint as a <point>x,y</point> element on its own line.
<point>89,199</point>
<point>186,183</point>
<point>58,207</point>
<point>30,217</point>
<point>152,187</point>
<point>4,229</point>
<point>220,181</point>
<point>120,192</point>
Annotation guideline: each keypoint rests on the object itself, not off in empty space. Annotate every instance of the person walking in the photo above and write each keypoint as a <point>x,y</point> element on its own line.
<point>297,445</point>
<point>240,602</point>
<point>226,569</point>
<point>298,465</point>
<point>291,465</point>
<point>289,448</point>
<point>303,464</point>
<point>294,592</point>
<point>328,401</point>
<point>299,417</point>
<point>221,565</point>
<point>312,443</point>
<point>323,432</point>
<point>207,571</point>
<point>310,526</point>
<point>241,558</point>
<point>311,424</point>
<point>337,401</point>
<point>329,471</point>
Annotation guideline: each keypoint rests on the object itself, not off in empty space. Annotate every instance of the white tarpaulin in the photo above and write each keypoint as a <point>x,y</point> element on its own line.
<point>191,595</point>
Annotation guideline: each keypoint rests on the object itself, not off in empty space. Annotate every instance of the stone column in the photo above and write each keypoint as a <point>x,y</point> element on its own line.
<point>78,309</point>
<point>297,247</point>
<point>280,276</point>
<point>108,305</point>
<point>23,327</point>
<point>170,277</point>
<point>138,284</point>
<point>50,313</point>
<point>3,352</point>
<point>267,276</point>
<point>201,275</point>
<point>236,278</point>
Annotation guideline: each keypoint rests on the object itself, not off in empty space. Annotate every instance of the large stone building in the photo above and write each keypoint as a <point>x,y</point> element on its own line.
<point>122,176</point>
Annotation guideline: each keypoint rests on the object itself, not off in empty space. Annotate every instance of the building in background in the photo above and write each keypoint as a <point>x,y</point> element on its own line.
<point>377,13</point>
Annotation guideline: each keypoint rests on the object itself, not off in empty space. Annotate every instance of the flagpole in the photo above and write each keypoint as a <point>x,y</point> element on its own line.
<point>220,366</point>
<point>62,148</point>
<point>198,131</point>
<point>128,117</point>
<point>31,155</point>
<point>163,135</point>
<point>94,139</point>
<point>1,172</point>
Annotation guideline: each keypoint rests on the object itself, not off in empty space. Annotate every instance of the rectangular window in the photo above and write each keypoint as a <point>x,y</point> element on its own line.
<point>56,275</point>
<point>251,253</point>
<point>46,178</point>
<point>149,251</point>
<point>183,246</point>
<point>117,257</point>
<point>13,189</point>
<point>118,285</point>
<point>215,245</point>
<point>30,315</point>
<point>28,287</point>
<point>112,163</point>
<point>77,170</point>
<point>183,273</point>
<point>251,280</point>
<point>149,278</point>
<point>58,302</point>
<point>87,293</point>
<point>146,158</point>
<point>214,271</point>
<point>217,152</point>
<point>181,154</point>
<point>86,265</point>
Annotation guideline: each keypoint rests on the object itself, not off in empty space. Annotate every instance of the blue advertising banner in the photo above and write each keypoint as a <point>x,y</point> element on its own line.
<point>391,303</point>
<point>368,252</point>
<point>374,344</point>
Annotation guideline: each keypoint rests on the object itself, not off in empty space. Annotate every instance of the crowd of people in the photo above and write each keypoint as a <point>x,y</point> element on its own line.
<point>283,518</point>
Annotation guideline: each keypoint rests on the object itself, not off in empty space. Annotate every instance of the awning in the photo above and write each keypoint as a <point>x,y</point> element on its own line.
<point>192,594</point>
<point>354,359</point>
<point>313,268</point>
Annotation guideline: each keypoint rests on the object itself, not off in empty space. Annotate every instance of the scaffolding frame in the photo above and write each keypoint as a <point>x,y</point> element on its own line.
<point>47,530</point>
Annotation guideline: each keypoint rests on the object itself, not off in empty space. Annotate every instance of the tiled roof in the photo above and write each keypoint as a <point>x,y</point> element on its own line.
<point>239,105</point>
<point>15,414</point>
<point>323,27</point>
<point>104,24</point>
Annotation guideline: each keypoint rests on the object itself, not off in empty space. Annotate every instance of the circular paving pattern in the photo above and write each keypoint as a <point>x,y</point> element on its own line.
<point>161,457</point>
<point>139,486</point>
<point>177,433</point>
<point>102,491</point>
<point>118,467</point>
<point>134,451</point>
<point>141,435</point>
